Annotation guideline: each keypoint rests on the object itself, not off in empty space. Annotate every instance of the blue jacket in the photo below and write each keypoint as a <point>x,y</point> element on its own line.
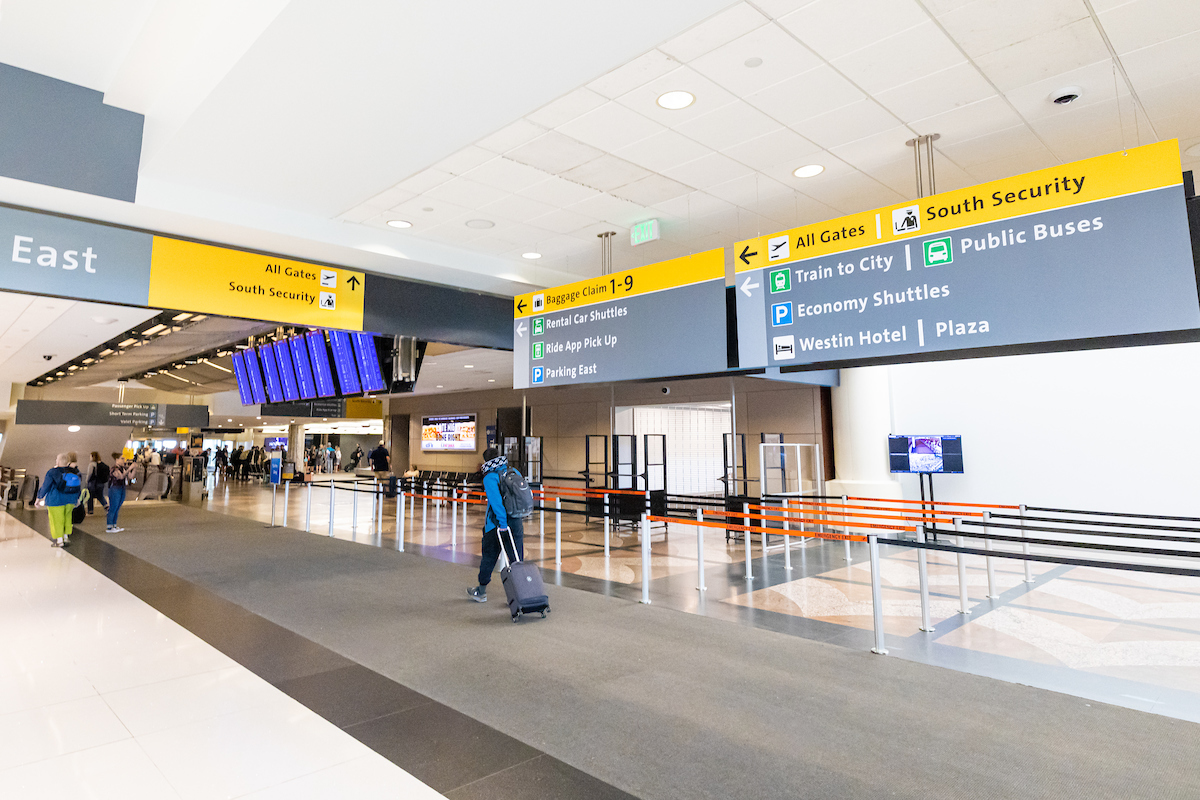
<point>497,517</point>
<point>52,488</point>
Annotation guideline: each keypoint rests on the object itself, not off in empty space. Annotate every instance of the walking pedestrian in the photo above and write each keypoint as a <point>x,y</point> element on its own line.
<point>59,494</point>
<point>97,482</point>
<point>117,478</point>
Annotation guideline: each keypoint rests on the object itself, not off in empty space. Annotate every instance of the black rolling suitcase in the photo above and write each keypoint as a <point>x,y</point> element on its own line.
<point>523,585</point>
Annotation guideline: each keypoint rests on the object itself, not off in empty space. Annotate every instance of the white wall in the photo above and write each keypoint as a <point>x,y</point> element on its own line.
<point>1102,429</point>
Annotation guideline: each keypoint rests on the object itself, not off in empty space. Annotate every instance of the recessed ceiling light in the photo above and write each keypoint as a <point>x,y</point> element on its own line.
<point>531,256</point>
<point>491,380</point>
<point>439,386</point>
<point>73,428</point>
<point>481,224</point>
<point>399,223</point>
<point>231,420</point>
<point>808,170</point>
<point>468,366</point>
<point>674,101</point>
<point>258,417</point>
<point>753,62</point>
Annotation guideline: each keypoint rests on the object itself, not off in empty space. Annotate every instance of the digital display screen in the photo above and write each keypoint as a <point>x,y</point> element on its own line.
<point>450,432</point>
<point>239,372</point>
<point>271,368</point>
<point>322,372</point>
<point>304,375</point>
<point>343,359</point>
<point>287,375</point>
<point>255,375</point>
<point>275,443</point>
<point>368,362</point>
<point>925,454</point>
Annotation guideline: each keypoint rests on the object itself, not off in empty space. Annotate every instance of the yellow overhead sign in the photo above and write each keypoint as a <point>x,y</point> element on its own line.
<point>1135,170</point>
<point>684,271</point>
<point>235,283</point>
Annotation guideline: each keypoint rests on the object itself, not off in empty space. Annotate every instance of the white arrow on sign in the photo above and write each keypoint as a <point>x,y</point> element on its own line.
<point>747,286</point>
<point>521,330</point>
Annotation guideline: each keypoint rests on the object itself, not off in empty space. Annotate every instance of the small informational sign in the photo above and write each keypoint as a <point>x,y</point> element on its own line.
<point>125,415</point>
<point>1095,248</point>
<point>276,468</point>
<point>657,321</point>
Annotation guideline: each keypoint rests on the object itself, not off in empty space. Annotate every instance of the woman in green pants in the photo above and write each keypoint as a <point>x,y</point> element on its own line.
<point>60,493</point>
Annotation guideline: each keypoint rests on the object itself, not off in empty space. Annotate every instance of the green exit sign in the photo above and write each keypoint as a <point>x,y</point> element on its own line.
<point>644,232</point>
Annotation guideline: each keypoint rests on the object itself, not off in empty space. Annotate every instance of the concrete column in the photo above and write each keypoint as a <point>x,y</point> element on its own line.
<point>295,448</point>
<point>862,421</point>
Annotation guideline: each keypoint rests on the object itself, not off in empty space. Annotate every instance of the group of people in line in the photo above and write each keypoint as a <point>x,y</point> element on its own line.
<point>64,488</point>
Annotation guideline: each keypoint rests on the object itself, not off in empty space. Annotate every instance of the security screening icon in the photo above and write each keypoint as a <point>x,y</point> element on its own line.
<point>780,280</point>
<point>781,314</point>
<point>328,301</point>
<point>906,220</point>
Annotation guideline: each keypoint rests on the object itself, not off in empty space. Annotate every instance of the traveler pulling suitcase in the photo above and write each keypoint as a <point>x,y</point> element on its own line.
<point>522,584</point>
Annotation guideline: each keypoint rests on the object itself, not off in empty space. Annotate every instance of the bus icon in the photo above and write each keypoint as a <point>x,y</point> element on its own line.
<point>938,251</point>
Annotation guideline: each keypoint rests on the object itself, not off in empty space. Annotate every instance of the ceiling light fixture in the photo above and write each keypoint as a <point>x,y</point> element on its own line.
<point>73,428</point>
<point>399,223</point>
<point>531,256</point>
<point>491,380</point>
<point>753,62</point>
<point>480,224</point>
<point>468,366</point>
<point>439,386</point>
<point>673,101</point>
<point>808,170</point>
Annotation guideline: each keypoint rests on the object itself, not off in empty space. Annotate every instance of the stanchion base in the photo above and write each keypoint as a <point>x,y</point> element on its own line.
<point>993,597</point>
<point>1028,580</point>
<point>964,612</point>
<point>644,602</point>
<point>927,630</point>
<point>879,652</point>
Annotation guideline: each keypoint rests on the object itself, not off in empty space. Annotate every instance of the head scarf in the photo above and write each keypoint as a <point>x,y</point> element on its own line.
<point>497,463</point>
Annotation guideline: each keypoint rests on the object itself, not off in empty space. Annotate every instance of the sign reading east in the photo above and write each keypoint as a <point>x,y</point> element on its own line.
<point>1093,248</point>
<point>656,321</point>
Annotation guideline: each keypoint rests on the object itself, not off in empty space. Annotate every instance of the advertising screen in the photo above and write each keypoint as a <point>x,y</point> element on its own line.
<point>287,375</point>
<point>239,372</point>
<point>925,454</point>
<point>257,392</point>
<point>368,362</point>
<point>275,443</point>
<point>450,432</point>
<point>271,369</point>
<point>304,375</point>
<point>343,359</point>
<point>322,373</point>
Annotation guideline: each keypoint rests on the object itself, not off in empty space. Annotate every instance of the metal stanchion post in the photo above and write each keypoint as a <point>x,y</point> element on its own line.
<point>923,574</point>
<point>1025,549</point>
<point>425,505</point>
<point>274,495</point>
<point>454,517</point>
<point>286,486</point>
<point>787,539</point>
<point>991,571</point>
<point>354,515</point>
<point>606,525</point>
<point>400,521</point>
<point>557,532</point>
<point>962,570</point>
<point>846,526</point>
<point>700,587</point>
<point>542,511</point>
<point>746,539</point>
<point>331,502</point>
<point>464,505</point>
<point>308,511</point>
<point>876,596</point>
<point>645,559</point>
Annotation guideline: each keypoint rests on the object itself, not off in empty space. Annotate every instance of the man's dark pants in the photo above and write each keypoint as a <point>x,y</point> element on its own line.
<point>491,548</point>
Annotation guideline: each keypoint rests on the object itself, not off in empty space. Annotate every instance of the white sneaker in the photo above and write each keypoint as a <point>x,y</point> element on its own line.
<point>117,530</point>
<point>110,528</point>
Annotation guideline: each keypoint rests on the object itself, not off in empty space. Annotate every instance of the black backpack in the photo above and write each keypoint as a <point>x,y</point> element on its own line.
<point>517,496</point>
<point>102,473</point>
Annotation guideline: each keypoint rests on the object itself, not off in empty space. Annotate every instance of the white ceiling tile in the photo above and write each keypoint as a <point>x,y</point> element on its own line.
<point>806,96</point>
<point>606,173</point>
<point>466,159</point>
<point>516,208</point>
<point>835,168</point>
<point>588,234</point>
<point>707,171</point>
<point>567,108</point>
<point>614,210</point>
<point>782,57</point>
<point>1142,23</point>
<point>1089,131</point>
<point>907,56</point>
<point>1162,63</point>
<point>514,135</point>
<point>856,192</point>
<point>1044,56</point>
<point>439,212</point>
<point>507,175</point>
<point>1167,99</point>
<point>857,121</point>
<point>876,150</point>
<point>562,221</point>
<point>610,127</point>
<point>1182,126</point>
<point>391,197</point>
<point>425,180</point>
<point>834,28</point>
<point>663,151</point>
<point>1008,143</point>
<point>358,214</point>
<point>708,96</point>
<point>778,8</point>
<point>558,192</point>
<point>652,189</point>
<point>748,190</point>
<point>1033,100</point>
<point>940,91</point>
<point>554,153</point>
<point>695,206</point>
<point>970,121</point>
<point>1012,165</point>
<point>466,193</point>
<point>714,32</point>
<point>781,146</point>
<point>493,244</point>
<point>986,26</point>
<point>728,125</point>
<point>940,7</point>
<point>637,72</point>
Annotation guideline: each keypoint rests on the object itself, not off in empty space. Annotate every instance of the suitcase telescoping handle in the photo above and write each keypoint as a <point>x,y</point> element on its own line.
<point>512,539</point>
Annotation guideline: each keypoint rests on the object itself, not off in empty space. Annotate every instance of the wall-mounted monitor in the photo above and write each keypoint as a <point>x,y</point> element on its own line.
<point>271,370</point>
<point>287,374</point>
<point>322,371</point>
<point>928,454</point>
<point>275,443</point>
<point>451,432</point>
<point>304,374</point>
<point>257,390</point>
<point>243,382</point>
<point>343,360</point>
<point>367,358</point>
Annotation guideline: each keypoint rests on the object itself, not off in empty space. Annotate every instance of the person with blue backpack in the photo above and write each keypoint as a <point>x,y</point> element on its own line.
<point>497,520</point>
<point>59,494</point>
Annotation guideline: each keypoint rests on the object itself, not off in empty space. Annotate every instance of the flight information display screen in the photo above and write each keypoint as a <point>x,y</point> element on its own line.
<point>368,362</point>
<point>343,359</point>
<point>322,372</point>
<point>304,375</point>
<point>287,375</point>
<point>257,391</point>
<point>243,383</point>
<point>271,368</point>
